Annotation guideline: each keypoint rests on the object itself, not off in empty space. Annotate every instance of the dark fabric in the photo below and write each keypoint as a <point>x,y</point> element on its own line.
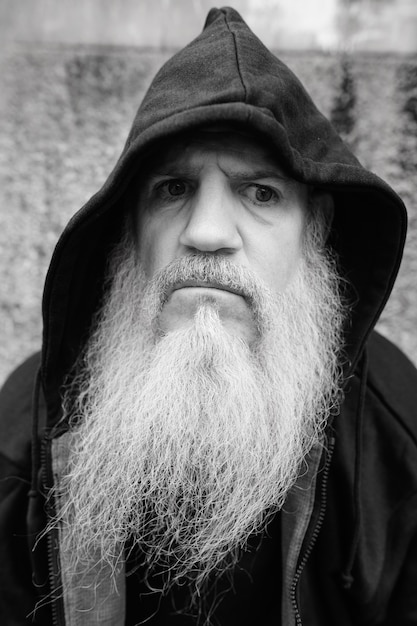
<point>20,585</point>
<point>385,565</point>
<point>227,75</point>
<point>250,594</point>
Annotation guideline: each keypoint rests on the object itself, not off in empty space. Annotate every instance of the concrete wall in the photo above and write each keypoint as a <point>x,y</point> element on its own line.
<point>65,114</point>
<point>378,25</point>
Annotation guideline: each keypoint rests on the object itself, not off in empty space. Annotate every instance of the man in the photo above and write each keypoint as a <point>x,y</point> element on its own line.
<point>219,435</point>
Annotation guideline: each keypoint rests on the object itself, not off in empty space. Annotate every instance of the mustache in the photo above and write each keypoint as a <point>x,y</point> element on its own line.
<point>212,271</point>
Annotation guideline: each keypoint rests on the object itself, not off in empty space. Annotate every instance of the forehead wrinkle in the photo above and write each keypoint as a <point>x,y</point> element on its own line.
<point>174,162</point>
<point>176,170</point>
<point>242,173</point>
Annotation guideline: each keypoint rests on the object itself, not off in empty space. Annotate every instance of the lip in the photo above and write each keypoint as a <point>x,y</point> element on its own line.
<point>206,284</point>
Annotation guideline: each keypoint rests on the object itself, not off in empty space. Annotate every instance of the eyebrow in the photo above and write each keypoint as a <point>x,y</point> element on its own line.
<point>258,173</point>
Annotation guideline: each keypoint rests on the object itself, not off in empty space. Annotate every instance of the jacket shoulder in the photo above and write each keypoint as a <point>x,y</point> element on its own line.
<point>393,378</point>
<point>16,412</point>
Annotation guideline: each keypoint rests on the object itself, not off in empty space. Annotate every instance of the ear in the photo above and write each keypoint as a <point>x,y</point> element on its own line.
<point>322,202</point>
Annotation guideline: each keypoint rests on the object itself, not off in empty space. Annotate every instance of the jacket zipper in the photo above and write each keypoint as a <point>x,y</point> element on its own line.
<point>57,608</point>
<point>309,549</point>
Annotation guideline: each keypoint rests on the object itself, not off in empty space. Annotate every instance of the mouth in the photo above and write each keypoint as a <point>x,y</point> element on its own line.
<point>206,285</point>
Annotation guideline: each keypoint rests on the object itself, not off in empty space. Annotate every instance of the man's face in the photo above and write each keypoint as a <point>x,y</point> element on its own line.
<point>225,194</point>
<point>197,434</point>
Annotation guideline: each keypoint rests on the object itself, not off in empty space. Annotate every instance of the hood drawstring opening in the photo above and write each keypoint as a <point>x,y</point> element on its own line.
<point>347,576</point>
<point>35,440</point>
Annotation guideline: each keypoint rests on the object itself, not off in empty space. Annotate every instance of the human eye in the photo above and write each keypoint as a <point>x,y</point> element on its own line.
<point>262,195</point>
<point>172,189</point>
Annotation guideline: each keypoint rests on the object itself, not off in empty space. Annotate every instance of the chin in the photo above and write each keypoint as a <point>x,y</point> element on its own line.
<point>180,309</point>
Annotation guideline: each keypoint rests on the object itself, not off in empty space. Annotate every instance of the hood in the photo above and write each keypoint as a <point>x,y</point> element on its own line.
<point>227,75</point>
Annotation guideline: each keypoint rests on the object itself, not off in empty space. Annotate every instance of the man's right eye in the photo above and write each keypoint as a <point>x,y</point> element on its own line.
<point>173,188</point>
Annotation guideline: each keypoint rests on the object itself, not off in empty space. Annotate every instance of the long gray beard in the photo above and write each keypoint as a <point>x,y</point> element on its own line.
<point>183,444</point>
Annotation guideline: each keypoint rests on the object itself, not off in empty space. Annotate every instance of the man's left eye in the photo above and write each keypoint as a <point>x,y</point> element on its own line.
<point>261,194</point>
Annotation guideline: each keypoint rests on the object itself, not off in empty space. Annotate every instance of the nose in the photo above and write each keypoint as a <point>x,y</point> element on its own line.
<point>212,222</point>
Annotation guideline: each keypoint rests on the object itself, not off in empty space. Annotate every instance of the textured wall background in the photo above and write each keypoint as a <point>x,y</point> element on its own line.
<point>66,112</point>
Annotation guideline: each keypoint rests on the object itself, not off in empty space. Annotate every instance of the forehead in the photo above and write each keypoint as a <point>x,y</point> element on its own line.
<point>229,147</point>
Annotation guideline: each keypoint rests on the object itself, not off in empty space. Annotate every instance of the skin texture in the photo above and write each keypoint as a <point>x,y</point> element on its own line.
<point>220,193</point>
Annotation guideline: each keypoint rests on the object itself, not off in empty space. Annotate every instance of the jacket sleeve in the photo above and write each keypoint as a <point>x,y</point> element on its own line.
<point>394,384</point>
<point>17,594</point>
<point>402,610</point>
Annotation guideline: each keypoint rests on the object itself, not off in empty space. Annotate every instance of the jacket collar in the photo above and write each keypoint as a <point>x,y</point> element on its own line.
<point>94,597</point>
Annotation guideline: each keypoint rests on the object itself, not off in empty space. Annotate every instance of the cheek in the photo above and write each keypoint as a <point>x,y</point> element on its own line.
<point>278,255</point>
<point>157,244</point>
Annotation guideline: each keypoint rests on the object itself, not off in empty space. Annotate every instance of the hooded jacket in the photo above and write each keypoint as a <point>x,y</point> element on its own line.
<point>348,529</point>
